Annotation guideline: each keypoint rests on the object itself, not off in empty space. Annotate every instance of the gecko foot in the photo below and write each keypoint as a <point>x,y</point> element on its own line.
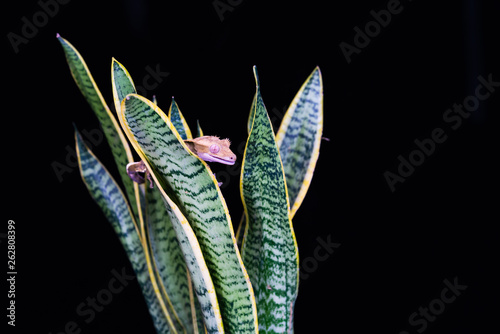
<point>219,183</point>
<point>135,171</point>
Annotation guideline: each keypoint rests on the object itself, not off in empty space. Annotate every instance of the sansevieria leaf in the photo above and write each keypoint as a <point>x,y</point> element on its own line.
<point>116,140</point>
<point>188,181</point>
<point>269,248</point>
<point>168,261</point>
<point>109,197</point>
<point>177,119</point>
<point>122,84</point>
<point>193,256</point>
<point>299,138</point>
<point>199,130</point>
<point>252,108</point>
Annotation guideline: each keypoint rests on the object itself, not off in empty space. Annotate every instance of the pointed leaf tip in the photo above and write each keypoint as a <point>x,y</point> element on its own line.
<point>57,35</point>
<point>256,75</point>
<point>317,70</point>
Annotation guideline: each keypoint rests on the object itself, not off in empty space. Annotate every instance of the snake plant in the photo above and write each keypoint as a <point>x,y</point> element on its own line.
<point>198,274</point>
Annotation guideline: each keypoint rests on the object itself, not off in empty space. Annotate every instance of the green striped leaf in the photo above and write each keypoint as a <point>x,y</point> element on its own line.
<point>111,200</point>
<point>169,262</point>
<point>122,84</point>
<point>299,138</point>
<point>269,248</point>
<point>198,325</point>
<point>240,232</point>
<point>193,256</point>
<point>251,114</point>
<point>116,140</point>
<point>177,119</point>
<point>200,277</point>
<point>189,182</point>
<point>199,130</point>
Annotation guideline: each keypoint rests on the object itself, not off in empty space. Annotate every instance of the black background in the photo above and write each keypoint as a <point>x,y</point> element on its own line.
<point>396,248</point>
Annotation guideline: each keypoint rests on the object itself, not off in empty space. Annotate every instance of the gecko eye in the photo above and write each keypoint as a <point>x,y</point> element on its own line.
<point>214,148</point>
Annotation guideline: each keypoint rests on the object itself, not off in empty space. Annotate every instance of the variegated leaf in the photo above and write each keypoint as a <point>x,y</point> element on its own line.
<point>116,140</point>
<point>299,138</point>
<point>189,182</point>
<point>193,256</point>
<point>199,130</point>
<point>109,197</point>
<point>122,84</point>
<point>169,262</point>
<point>269,248</point>
<point>177,119</point>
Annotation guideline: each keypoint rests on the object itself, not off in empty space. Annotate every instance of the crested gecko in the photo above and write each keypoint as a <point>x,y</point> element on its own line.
<point>207,148</point>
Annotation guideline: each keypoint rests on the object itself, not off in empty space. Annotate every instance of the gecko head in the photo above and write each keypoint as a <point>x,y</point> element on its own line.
<point>212,149</point>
